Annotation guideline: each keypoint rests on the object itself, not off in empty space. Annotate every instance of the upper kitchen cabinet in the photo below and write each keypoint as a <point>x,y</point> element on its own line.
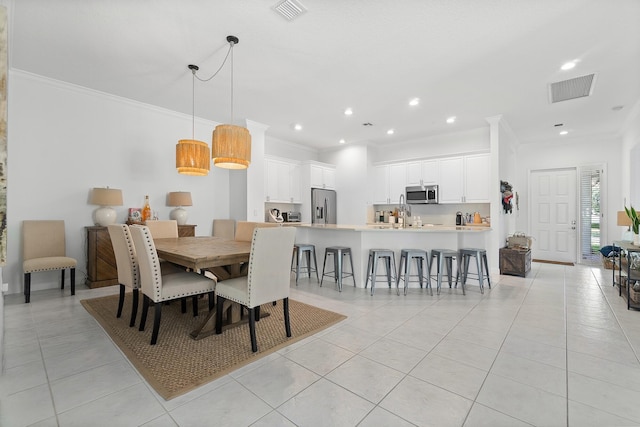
<point>425,172</point>
<point>282,183</point>
<point>464,179</point>
<point>389,181</point>
<point>322,176</point>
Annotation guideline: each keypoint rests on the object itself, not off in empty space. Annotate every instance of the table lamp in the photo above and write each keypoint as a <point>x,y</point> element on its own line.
<point>625,221</point>
<point>179,199</point>
<point>105,198</point>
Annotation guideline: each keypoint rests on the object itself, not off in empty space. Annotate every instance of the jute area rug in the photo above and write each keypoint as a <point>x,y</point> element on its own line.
<point>177,363</point>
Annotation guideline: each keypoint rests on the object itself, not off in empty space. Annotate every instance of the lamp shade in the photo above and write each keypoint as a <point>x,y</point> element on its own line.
<point>231,147</point>
<point>106,197</point>
<point>623,219</point>
<point>179,198</point>
<point>192,157</point>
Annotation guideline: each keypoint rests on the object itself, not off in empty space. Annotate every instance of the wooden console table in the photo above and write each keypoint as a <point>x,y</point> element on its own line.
<point>101,261</point>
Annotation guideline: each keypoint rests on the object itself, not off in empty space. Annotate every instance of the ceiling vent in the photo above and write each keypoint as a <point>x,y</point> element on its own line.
<point>577,87</point>
<point>289,9</point>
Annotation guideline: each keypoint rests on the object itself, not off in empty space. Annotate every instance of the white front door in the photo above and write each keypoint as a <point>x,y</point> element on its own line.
<point>553,214</point>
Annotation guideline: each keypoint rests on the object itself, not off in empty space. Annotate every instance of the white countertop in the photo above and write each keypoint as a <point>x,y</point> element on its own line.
<point>387,228</point>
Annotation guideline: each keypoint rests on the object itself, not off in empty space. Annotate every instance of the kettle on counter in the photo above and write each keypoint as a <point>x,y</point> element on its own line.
<point>476,218</point>
<point>459,218</point>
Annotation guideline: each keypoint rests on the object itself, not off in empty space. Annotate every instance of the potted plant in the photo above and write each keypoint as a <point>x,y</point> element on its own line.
<point>635,223</point>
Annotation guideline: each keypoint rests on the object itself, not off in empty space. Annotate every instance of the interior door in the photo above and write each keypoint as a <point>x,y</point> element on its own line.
<point>553,214</point>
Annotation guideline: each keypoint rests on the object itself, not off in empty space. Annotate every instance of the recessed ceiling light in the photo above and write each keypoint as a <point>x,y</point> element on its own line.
<point>297,126</point>
<point>342,141</point>
<point>414,102</point>
<point>568,65</point>
<point>391,132</point>
<point>348,112</point>
<point>564,132</point>
<point>451,119</point>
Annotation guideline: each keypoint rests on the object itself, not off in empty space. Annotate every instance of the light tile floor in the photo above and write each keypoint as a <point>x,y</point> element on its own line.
<point>557,348</point>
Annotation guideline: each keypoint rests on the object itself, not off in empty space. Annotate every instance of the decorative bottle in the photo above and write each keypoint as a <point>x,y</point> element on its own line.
<point>146,210</point>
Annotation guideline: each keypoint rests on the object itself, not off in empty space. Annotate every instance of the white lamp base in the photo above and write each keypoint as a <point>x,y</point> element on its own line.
<point>104,216</point>
<point>180,215</point>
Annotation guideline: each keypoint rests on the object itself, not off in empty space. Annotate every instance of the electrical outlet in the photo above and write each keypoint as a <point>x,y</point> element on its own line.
<point>5,287</point>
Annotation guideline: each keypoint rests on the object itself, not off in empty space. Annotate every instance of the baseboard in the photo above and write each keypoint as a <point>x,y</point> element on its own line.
<point>553,262</point>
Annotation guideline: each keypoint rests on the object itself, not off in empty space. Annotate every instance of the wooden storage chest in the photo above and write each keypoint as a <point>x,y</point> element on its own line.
<point>516,262</point>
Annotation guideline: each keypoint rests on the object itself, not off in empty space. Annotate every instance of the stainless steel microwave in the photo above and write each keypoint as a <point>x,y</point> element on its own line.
<point>422,194</point>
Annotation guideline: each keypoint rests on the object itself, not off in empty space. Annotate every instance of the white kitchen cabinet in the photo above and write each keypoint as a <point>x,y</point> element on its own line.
<point>323,177</point>
<point>389,181</point>
<point>397,181</point>
<point>465,179</point>
<point>424,172</point>
<point>451,182</point>
<point>282,181</point>
<point>477,176</point>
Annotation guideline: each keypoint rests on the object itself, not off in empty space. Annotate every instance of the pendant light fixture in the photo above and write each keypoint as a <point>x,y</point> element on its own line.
<point>192,156</point>
<point>231,145</point>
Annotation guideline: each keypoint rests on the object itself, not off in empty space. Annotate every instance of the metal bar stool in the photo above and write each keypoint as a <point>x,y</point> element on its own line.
<point>481,263</point>
<point>301,250</point>
<point>338,273</point>
<point>389,257</point>
<point>444,257</point>
<point>421,259</point>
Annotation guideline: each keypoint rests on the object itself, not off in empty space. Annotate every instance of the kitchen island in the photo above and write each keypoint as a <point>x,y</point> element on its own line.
<point>361,238</point>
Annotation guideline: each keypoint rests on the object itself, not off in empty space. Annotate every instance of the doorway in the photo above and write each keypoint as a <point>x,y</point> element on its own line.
<point>553,215</point>
<point>592,229</point>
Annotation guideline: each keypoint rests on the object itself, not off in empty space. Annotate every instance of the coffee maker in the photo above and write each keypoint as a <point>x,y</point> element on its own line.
<point>459,220</point>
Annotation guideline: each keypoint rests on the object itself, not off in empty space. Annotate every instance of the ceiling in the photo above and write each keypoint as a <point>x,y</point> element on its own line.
<point>471,59</point>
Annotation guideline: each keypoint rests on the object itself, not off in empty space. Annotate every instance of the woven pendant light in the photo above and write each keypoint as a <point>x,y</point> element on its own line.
<point>230,144</point>
<point>231,147</point>
<point>192,156</point>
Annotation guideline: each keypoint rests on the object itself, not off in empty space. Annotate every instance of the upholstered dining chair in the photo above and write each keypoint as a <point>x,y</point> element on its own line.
<point>163,229</point>
<point>225,228</point>
<point>44,249</point>
<point>244,229</point>
<point>158,288</point>
<point>268,279</point>
<point>127,264</point>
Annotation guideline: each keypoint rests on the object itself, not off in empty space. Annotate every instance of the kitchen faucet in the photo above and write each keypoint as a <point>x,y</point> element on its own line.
<point>404,209</point>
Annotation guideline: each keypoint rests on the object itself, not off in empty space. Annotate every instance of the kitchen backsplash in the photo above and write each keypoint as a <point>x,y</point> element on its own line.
<point>444,214</point>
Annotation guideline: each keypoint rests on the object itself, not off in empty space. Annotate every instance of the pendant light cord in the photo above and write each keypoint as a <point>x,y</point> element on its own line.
<point>193,105</point>
<point>221,65</point>
<point>231,50</point>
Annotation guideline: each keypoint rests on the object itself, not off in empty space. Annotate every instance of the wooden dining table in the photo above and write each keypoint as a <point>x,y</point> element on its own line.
<point>225,258</point>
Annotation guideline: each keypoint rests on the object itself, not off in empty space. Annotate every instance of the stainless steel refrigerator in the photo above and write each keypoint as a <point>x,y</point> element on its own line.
<point>323,206</point>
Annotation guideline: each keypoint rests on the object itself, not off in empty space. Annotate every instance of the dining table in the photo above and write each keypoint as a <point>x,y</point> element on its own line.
<point>225,258</point>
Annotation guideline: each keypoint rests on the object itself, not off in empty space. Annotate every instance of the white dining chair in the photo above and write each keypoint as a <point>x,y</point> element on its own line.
<point>127,265</point>
<point>163,229</point>
<point>158,288</point>
<point>225,228</point>
<point>268,278</point>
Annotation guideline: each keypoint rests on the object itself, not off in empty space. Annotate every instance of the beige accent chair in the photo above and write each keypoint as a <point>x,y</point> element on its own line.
<point>158,288</point>
<point>127,263</point>
<point>44,249</point>
<point>244,229</point>
<point>163,229</point>
<point>268,279</point>
<point>225,228</point>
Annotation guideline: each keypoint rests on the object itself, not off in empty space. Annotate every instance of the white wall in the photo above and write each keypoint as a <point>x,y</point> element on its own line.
<point>572,153</point>
<point>476,140</point>
<point>630,158</point>
<point>351,182</point>
<point>278,148</point>
<point>65,140</point>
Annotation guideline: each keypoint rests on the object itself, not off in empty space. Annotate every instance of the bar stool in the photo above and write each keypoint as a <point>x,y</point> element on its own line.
<point>421,258</point>
<point>444,257</point>
<point>389,257</point>
<point>300,250</point>
<point>338,252</point>
<point>481,262</point>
